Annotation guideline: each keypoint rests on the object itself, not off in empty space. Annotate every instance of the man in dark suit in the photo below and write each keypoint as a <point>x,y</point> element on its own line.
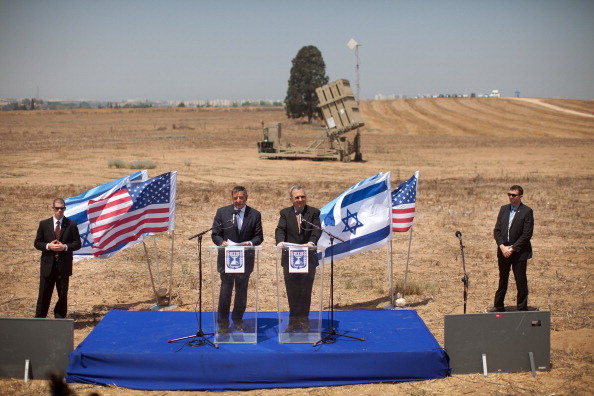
<point>57,238</point>
<point>292,229</point>
<point>236,224</point>
<point>513,230</point>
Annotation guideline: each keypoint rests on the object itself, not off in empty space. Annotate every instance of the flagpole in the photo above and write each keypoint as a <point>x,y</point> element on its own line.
<point>157,260</point>
<point>148,263</point>
<point>391,274</point>
<point>171,266</point>
<point>407,260</point>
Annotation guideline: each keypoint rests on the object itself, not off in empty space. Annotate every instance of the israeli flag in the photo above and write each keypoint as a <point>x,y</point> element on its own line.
<point>361,216</point>
<point>76,209</point>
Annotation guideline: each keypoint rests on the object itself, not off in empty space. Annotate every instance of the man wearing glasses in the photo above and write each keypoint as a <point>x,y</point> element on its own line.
<point>57,238</point>
<point>513,230</point>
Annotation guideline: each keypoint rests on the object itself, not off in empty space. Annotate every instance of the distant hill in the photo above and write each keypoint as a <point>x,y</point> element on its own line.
<point>496,117</point>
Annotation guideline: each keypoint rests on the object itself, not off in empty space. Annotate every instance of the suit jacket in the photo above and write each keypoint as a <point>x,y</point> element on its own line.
<point>69,236</point>
<point>520,232</point>
<point>288,231</point>
<point>251,230</point>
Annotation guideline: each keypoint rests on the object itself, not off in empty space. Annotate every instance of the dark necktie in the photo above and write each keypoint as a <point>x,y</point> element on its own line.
<point>57,230</point>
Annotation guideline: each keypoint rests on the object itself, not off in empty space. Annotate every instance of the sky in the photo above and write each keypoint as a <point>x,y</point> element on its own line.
<point>112,50</point>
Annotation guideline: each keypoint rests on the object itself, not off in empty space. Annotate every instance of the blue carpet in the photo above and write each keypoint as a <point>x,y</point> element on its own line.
<point>130,349</point>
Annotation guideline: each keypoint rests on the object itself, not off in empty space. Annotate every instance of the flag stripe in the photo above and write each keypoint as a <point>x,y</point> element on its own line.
<point>398,211</point>
<point>363,194</point>
<point>114,203</point>
<point>404,199</point>
<point>133,219</point>
<point>102,212</point>
<point>405,220</point>
<point>126,215</point>
<point>354,244</point>
<point>135,223</point>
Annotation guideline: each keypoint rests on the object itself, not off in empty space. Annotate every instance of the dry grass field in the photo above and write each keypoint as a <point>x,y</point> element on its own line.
<point>468,152</point>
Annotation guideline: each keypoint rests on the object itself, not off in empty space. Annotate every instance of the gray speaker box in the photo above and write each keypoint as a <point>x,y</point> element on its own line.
<point>498,342</point>
<point>32,348</point>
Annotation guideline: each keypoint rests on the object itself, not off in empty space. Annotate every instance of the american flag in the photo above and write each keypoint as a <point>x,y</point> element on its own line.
<point>128,213</point>
<point>403,204</point>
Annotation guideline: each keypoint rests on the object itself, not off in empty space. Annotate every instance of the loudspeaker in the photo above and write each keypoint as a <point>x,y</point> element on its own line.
<point>43,343</point>
<point>504,342</point>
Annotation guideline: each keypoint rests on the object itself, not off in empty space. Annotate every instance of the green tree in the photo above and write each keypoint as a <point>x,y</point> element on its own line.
<point>307,73</point>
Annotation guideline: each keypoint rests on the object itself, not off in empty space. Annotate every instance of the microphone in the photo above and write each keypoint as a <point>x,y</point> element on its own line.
<point>458,235</point>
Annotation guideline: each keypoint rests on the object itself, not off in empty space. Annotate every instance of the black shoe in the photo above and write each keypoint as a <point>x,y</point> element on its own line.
<point>304,325</point>
<point>223,328</point>
<point>239,326</point>
<point>291,327</point>
<point>496,309</point>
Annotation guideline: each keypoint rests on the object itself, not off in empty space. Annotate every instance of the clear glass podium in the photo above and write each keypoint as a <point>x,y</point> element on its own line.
<point>234,274</point>
<point>299,293</point>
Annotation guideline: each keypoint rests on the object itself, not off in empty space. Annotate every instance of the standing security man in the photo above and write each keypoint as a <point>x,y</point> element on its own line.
<point>513,231</point>
<point>57,238</point>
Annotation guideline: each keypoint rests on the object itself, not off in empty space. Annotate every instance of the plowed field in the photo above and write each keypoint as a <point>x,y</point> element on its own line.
<point>468,151</point>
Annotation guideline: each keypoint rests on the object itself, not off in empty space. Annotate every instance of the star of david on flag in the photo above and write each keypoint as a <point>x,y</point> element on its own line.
<point>404,199</point>
<point>76,209</point>
<point>361,216</point>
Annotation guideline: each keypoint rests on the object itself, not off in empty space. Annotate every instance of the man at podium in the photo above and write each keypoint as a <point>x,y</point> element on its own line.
<point>293,227</point>
<point>235,224</point>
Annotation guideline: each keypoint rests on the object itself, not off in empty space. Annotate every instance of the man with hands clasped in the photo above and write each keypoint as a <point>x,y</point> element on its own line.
<point>57,238</point>
<point>513,231</point>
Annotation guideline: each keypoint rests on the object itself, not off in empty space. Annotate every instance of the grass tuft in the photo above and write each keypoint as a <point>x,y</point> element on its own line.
<point>140,164</point>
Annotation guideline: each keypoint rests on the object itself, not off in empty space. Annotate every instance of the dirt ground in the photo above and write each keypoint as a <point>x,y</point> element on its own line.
<point>468,152</point>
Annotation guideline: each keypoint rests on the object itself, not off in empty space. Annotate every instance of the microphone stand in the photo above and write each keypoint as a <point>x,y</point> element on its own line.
<point>465,277</point>
<point>331,334</point>
<point>199,334</point>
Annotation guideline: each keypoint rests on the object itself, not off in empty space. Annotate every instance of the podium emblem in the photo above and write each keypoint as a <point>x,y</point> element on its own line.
<point>298,260</point>
<point>235,260</point>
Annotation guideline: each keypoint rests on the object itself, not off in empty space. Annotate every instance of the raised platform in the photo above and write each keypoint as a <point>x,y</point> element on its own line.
<point>131,349</point>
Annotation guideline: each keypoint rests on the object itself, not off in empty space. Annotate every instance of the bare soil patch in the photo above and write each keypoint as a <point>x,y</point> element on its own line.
<point>468,152</point>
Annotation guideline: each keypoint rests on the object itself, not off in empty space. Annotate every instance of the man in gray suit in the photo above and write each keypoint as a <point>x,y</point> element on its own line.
<point>236,224</point>
<point>513,231</point>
